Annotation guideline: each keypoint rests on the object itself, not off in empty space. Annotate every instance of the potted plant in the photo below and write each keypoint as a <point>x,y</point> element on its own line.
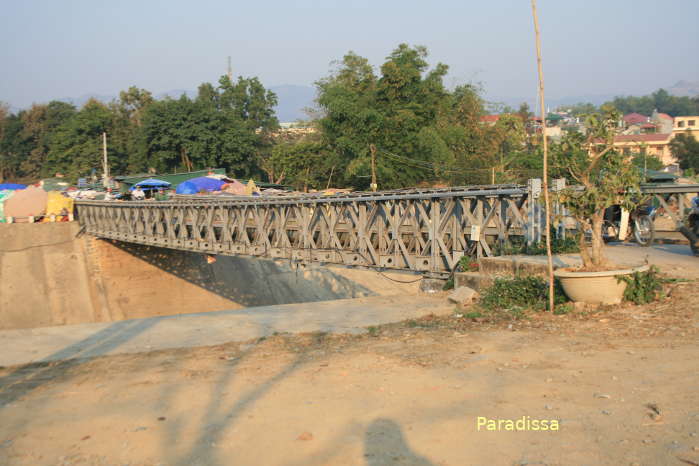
<point>604,178</point>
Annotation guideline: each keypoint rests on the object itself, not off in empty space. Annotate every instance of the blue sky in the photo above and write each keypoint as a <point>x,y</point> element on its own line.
<point>56,49</point>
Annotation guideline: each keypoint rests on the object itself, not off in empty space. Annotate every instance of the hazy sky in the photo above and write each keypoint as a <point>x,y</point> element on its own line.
<point>68,48</point>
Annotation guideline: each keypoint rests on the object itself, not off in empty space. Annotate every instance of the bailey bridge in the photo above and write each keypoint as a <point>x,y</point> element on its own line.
<point>424,230</point>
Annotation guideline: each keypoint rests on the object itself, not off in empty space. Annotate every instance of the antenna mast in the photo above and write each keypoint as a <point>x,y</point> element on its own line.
<point>230,70</point>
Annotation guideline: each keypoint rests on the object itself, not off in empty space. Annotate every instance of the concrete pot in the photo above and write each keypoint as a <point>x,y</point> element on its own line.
<point>595,287</point>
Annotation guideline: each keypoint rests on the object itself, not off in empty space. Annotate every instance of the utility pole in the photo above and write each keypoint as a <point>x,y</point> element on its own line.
<point>374,186</point>
<point>230,70</point>
<point>105,163</point>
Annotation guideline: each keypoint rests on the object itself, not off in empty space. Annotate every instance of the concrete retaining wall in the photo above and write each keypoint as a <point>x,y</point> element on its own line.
<point>49,277</point>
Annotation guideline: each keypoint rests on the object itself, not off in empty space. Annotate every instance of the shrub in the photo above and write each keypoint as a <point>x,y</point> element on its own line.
<point>643,287</point>
<point>518,293</point>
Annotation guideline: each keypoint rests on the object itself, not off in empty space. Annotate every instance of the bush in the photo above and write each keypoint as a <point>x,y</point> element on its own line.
<point>643,287</point>
<point>519,293</point>
<point>567,245</point>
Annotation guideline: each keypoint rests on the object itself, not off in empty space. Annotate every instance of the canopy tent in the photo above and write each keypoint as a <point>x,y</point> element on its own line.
<point>150,183</point>
<point>12,186</point>
<point>203,183</point>
<point>30,202</point>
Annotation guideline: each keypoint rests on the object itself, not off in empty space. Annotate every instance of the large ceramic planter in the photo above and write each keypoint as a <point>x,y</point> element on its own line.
<point>595,287</point>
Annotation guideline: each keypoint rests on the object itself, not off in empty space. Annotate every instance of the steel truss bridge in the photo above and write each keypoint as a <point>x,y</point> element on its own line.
<point>420,230</point>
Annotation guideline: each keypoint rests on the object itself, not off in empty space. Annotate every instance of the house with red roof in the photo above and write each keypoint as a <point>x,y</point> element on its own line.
<point>490,119</point>
<point>635,119</point>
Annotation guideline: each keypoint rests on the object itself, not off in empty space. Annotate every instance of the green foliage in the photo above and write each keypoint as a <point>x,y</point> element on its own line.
<point>567,245</point>
<point>519,293</point>
<point>643,287</point>
<point>606,176</point>
<point>579,109</point>
<point>473,315</point>
<point>424,132</point>
<point>228,126</point>
<point>659,100</point>
<point>304,164</point>
<point>647,161</point>
<point>686,148</point>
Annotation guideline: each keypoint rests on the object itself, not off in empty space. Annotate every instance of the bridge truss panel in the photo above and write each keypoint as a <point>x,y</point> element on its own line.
<point>427,231</point>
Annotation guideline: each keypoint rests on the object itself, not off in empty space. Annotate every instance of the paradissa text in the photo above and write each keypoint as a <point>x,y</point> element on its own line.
<point>525,423</point>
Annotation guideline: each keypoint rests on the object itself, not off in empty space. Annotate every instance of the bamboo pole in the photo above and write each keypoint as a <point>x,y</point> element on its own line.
<point>545,184</point>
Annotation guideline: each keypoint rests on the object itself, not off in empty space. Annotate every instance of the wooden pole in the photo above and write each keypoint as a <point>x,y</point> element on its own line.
<point>105,163</point>
<point>374,186</point>
<point>330,177</point>
<point>544,184</point>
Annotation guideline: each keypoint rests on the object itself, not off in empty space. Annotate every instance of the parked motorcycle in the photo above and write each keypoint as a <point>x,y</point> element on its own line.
<point>691,230</point>
<point>619,224</point>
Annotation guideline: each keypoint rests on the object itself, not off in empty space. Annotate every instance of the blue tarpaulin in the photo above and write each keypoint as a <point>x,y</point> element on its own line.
<point>203,183</point>
<point>12,186</point>
<point>151,183</point>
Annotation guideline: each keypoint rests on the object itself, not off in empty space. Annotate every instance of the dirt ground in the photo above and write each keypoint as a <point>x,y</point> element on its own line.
<point>622,383</point>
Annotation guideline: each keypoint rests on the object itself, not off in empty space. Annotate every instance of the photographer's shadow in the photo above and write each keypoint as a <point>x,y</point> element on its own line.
<point>384,444</point>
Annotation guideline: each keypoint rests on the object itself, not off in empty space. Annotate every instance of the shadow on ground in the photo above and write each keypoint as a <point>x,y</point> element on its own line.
<point>250,281</point>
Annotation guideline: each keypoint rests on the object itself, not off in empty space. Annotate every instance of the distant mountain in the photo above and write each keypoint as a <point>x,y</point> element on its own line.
<point>684,88</point>
<point>80,101</point>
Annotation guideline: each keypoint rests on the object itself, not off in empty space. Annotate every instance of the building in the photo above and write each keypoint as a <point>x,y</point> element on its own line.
<point>686,125</point>
<point>635,119</point>
<point>657,144</point>
<point>662,121</point>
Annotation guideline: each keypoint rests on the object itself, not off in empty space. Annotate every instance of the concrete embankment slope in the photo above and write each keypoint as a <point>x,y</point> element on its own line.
<point>50,276</point>
<point>84,341</point>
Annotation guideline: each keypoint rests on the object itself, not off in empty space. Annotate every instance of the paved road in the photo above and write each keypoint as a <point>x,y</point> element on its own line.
<point>676,260</point>
<point>210,328</point>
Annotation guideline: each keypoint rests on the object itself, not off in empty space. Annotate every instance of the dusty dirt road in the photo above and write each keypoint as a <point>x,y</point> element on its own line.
<point>622,383</point>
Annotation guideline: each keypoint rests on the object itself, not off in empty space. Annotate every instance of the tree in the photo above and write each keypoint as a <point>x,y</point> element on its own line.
<point>39,125</point>
<point>181,135</point>
<point>647,161</point>
<point>14,147</point>
<point>406,112</point>
<point>606,176</point>
<point>579,109</point>
<point>304,164</point>
<point>75,147</point>
<point>659,100</point>
<point>686,149</point>
<point>229,126</point>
